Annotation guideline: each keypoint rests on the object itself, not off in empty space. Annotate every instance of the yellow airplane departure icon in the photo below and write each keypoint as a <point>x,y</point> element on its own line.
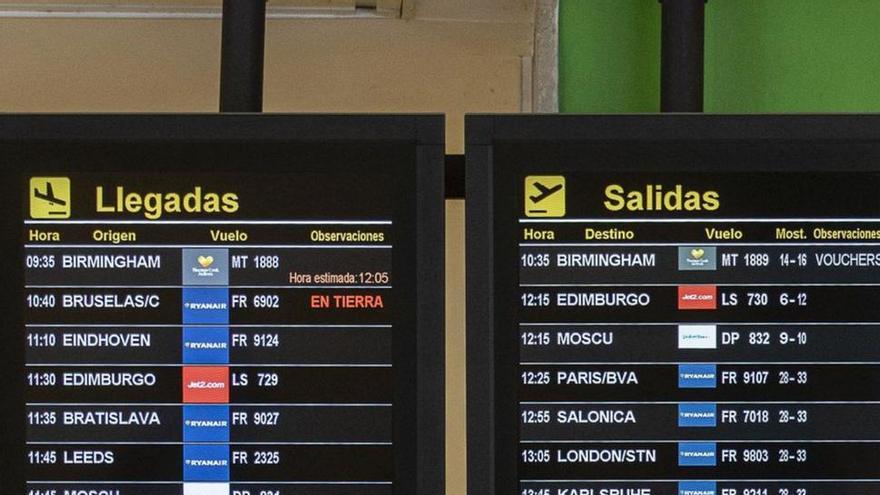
<point>50,197</point>
<point>545,196</point>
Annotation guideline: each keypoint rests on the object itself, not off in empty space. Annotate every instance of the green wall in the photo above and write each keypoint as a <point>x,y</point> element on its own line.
<point>761,56</point>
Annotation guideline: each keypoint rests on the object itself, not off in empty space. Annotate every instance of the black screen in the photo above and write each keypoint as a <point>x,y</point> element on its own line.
<point>215,318</point>
<point>685,317</point>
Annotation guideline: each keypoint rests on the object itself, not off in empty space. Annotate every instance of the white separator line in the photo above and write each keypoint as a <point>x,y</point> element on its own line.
<point>208,222</point>
<point>211,246</point>
<point>179,404</point>
<point>94,10</point>
<point>178,325</point>
<point>209,286</point>
<point>691,220</point>
<point>676,480</point>
<point>179,482</point>
<point>210,443</point>
<point>706,243</point>
<point>749,440</point>
<point>673,323</point>
<point>635,363</point>
<point>674,402</point>
<point>717,284</point>
<point>186,365</point>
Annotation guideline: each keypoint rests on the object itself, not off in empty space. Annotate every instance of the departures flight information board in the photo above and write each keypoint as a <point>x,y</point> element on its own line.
<point>216,305</point>
<point>674,305</point>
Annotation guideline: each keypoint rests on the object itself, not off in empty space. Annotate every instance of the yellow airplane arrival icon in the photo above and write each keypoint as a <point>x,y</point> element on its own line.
<point>545,196</point>
<point>50,197</point>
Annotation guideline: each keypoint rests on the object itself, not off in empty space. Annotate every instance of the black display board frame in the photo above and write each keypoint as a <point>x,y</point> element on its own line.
<point>632,143</point>
<point>419,431</point>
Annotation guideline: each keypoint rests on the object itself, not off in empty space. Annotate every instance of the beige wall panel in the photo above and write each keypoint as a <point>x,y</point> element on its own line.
<point>474,10</point>
<point>456,425</point>
<point>61,65</point>
<point>339,65</point>
<point>172,3</point>
<point>374,69</point>
<point>494,11</point>
<point>89,65</point>
<point>112,3</point>
<point>191,9</point>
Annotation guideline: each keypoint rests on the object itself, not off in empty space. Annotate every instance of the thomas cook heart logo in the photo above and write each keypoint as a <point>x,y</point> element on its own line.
<point>697,258</point>
<point>205,266</point>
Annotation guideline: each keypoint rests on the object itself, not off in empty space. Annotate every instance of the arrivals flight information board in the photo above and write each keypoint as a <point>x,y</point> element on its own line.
<point>224,317</point>
<point>674,305</point>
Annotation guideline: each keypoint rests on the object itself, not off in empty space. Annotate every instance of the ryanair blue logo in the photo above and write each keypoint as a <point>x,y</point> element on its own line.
<point>206,305</point>
<point>697,454</point>
<point>205,463</point>
<point>205,345</point>
<point>697,376</point>
<point>697,415</point>
<point>697,488</point>
<point>206,423</point>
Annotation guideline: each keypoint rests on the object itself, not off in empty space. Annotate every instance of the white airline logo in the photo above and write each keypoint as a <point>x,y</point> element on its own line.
<point>697,337</point>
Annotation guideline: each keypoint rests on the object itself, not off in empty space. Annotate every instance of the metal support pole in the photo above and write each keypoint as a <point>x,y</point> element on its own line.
<point>681,71</point>
<point>241,57</point>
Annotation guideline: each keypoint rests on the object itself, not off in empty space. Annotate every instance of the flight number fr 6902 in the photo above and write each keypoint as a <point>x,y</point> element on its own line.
<point>266,301</point>
<point>259,301</point>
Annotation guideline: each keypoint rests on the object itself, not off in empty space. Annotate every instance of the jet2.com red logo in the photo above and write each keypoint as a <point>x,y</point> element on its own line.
<point>697,297</point>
